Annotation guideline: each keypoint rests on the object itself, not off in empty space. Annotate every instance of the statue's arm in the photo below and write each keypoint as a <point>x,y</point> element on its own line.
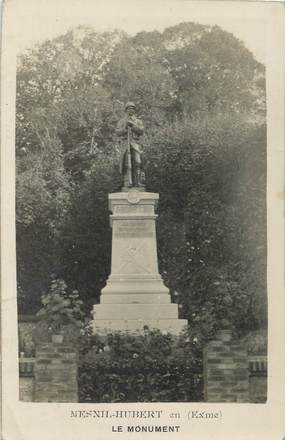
<point>121,129</point>
<point>137,126</point>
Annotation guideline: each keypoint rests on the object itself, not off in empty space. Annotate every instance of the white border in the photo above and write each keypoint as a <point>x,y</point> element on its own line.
<point>240,421</point>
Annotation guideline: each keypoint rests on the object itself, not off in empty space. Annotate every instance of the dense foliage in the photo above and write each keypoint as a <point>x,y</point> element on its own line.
<point>149,368</point>
<point>60,308</point>
<point>201,95</point>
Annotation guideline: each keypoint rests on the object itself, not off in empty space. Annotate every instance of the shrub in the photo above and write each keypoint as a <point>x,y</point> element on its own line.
<point>153,367</point>
<point>61,311</point>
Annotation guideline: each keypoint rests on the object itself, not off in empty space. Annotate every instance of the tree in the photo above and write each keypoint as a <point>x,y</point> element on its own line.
<point>43,198</point>
<point>201,95</point>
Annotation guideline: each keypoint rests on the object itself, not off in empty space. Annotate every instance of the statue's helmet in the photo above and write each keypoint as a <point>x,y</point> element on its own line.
<point>130,105</point>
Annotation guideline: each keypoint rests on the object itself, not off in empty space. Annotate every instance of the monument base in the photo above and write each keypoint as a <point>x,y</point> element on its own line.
<point>138,326</point>
<point>135,297</point>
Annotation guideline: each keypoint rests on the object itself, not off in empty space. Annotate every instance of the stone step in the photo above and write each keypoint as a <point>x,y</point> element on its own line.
<point>135,311</point>
<point>135,276</point>
<point>135,285</point>
<point>135,298</point>
<point>135,326</point>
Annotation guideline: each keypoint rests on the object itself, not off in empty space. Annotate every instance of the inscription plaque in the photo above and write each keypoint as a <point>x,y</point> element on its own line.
<point>133,228</point>
<point>134,209</point>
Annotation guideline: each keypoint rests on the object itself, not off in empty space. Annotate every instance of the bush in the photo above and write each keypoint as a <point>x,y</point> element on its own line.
<point>147,368</point>
<point>60,312</point>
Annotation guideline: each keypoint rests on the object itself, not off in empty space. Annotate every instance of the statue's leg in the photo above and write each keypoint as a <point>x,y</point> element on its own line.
<point>126,171</point>
<point>137,169</point>
<point>142,171</point>
<point>133,160</point>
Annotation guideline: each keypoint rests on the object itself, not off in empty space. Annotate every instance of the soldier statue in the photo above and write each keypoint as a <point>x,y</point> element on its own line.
<point>129,130</point>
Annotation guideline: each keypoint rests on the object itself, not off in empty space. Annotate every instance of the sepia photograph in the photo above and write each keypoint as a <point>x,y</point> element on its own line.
<point>141,209</point>
<point>141,216</point>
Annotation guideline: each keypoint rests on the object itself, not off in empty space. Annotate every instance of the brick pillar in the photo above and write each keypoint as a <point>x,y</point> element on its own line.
<point>226,376</point>
<point>56,373</point>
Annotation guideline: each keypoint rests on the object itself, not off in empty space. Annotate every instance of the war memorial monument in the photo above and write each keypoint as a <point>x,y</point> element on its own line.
<point>135,296</point>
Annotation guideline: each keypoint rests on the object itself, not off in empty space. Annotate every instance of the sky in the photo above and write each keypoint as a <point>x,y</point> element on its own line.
<point>37,20</point>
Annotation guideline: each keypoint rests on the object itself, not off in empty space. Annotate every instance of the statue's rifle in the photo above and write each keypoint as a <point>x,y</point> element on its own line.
<point>129,156</point>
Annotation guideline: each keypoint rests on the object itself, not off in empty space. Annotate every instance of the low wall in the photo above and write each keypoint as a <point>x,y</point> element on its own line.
<point>48,371</point>
<point>230,373</point>
<point>51,376</point>
<point>26,379</point>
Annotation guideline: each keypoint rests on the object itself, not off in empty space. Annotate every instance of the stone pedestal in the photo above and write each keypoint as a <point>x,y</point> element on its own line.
<point>135,295</point>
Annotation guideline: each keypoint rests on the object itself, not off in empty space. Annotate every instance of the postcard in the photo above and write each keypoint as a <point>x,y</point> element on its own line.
<point>142,233</point>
